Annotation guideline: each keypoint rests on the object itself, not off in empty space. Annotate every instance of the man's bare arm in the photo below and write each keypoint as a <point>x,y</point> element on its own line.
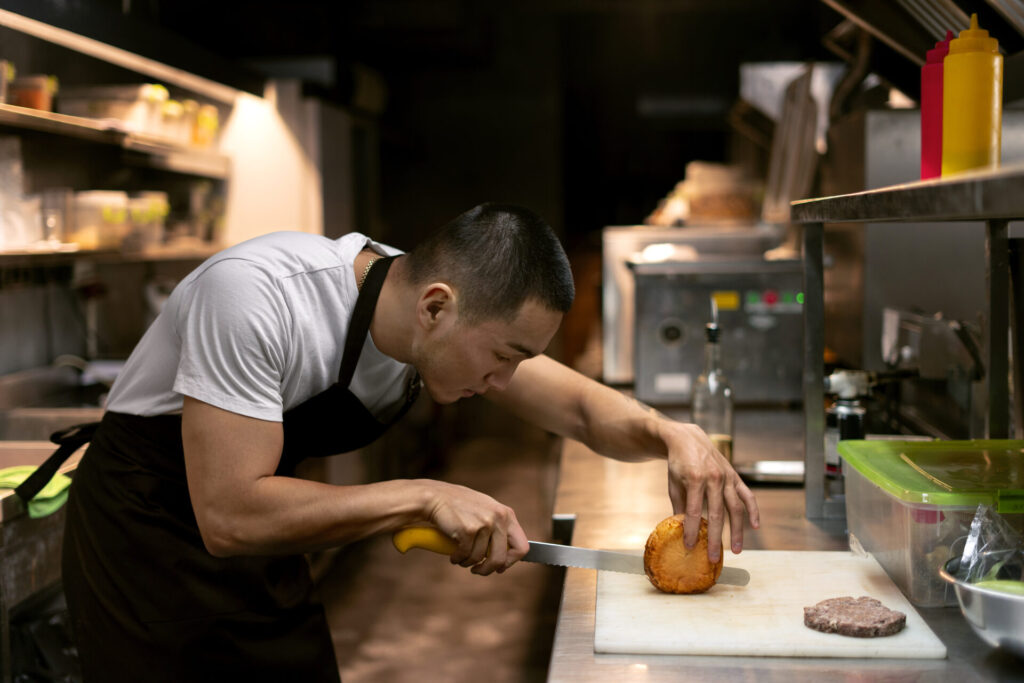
<point>565,402</point>
<point>243,508</point>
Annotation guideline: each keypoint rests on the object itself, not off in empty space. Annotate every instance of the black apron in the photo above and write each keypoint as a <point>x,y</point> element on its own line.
<point>147,601</point>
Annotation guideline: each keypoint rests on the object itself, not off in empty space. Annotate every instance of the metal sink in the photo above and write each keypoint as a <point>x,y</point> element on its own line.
<point>37,424</point>
<point>38,402</point>
<point>13,453</point>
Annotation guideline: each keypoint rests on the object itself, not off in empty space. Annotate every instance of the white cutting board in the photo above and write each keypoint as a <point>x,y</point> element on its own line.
<point>765,618</point>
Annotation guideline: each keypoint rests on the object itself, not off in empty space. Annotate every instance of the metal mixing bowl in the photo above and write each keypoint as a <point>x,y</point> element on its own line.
<point>997,617</point>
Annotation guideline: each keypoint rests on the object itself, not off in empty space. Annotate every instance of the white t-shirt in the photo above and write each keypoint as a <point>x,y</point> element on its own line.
<point>256,330</point>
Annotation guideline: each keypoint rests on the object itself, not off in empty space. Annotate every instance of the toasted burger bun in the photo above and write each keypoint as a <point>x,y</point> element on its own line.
<point>672,567</point>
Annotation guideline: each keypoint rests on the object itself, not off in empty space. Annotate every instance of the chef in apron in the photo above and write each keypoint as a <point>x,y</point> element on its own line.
<point>183,550</point>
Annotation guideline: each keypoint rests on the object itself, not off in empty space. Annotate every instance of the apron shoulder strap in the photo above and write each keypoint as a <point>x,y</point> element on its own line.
<point>362,315</point>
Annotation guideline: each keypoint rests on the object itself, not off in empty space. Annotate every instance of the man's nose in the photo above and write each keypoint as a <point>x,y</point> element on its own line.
<point>500,378</point>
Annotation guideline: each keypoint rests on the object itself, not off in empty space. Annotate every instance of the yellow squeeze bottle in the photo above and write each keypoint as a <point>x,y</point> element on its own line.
<point>972,101</point>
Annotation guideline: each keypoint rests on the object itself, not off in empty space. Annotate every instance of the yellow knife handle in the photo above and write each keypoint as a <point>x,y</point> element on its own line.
<point>426,537</point>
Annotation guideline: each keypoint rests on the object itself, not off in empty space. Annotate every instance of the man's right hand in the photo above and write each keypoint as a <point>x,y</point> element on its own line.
<point>487,533</point>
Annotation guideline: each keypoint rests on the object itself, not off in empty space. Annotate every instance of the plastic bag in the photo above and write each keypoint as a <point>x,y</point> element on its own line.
<point>994,550</point>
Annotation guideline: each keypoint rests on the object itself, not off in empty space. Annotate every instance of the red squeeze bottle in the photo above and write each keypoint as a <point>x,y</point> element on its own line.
<point>931,109</point>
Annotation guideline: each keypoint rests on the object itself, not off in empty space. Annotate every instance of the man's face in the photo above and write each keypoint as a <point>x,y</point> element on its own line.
<point>457,360</point>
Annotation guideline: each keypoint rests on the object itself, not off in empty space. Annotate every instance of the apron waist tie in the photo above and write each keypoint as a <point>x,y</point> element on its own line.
<point>68,440</point>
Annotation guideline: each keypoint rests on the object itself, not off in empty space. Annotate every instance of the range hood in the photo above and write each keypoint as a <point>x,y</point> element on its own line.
<point>904,30</point>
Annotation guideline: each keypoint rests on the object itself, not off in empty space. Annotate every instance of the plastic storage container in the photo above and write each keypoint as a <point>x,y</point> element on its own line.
<point>138,107</point>
<point>101,219</point>
<point>909,502</point>
<point>7,74</point>
<point>35,91</point>
<point>207,125</point>
<point>146,212</point>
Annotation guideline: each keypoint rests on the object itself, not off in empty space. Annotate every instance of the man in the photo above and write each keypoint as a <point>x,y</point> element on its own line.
<point>183,550</point>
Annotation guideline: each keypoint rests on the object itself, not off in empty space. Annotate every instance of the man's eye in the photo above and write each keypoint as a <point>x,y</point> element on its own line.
<point>503,359</point>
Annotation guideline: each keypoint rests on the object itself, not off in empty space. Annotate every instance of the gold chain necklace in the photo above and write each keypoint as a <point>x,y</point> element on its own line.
<point>366,271</point>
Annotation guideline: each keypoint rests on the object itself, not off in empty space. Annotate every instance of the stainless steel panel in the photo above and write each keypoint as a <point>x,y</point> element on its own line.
<point>916,265</point>
<point>623,243</point>
<point>761,342</point>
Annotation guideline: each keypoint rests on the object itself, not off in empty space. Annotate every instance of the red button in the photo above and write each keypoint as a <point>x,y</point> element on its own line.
<point>770,297</point>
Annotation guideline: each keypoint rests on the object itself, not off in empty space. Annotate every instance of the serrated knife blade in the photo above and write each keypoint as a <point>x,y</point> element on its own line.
<point>430,538</point>
<point>610,560</point>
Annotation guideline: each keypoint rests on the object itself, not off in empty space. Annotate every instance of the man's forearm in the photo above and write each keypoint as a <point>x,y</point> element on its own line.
<point>565,402</point>
<point>282,515</point>
<point>620,426</point>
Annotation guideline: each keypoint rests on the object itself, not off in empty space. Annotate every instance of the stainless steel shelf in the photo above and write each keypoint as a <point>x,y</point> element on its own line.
<point>149,151</point>
<point>990,197</point>
<point>973,196</point>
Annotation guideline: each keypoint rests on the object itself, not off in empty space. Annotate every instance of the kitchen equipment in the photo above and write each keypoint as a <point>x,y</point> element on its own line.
<point>621,244</point>
<point>762,619</point>
<point>948,400</point>
<point>760,308</point>
<point>908,502</point>
<point>997,617</point>
<point>907,266</point>
<point>845,418</point>
<point>431,539</point>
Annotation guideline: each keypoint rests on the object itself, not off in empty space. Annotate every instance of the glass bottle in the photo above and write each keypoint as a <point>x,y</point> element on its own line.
<point>712,396</point>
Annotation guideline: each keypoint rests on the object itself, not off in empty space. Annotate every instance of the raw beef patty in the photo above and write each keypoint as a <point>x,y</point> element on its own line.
<point>861,617</point>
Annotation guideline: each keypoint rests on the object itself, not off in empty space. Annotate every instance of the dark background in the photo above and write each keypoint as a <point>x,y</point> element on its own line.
<point>586,111</point>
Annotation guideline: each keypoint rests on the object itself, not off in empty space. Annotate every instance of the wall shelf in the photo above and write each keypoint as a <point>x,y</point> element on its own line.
<point>142,150</point>
<point>197,251</point>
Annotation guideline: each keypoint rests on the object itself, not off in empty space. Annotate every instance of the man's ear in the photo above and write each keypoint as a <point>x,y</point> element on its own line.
<point>437,304</point>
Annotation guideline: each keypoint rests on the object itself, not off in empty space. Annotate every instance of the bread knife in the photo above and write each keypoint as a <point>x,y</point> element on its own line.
<point>432,539</point>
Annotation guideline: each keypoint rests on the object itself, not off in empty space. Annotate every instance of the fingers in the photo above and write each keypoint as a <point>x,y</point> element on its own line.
<point>508,545</point>
<point>496,552</point>
<point>693,510</point>
<point>473,549</point>
<point>677,495</point>
<point>487,534</point>
<point>699,475</point>
<point>716,515</point>
<point>518,545</point>
<point>750,502</point>
<point>732,500</point>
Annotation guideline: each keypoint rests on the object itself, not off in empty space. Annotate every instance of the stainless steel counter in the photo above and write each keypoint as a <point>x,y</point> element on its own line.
<point>617,504</point>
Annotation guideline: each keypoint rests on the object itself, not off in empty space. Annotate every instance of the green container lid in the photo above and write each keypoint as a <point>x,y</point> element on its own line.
<point>946,473</point>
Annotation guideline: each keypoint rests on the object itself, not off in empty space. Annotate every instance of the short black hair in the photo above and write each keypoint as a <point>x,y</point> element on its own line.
<point>496,257</point>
